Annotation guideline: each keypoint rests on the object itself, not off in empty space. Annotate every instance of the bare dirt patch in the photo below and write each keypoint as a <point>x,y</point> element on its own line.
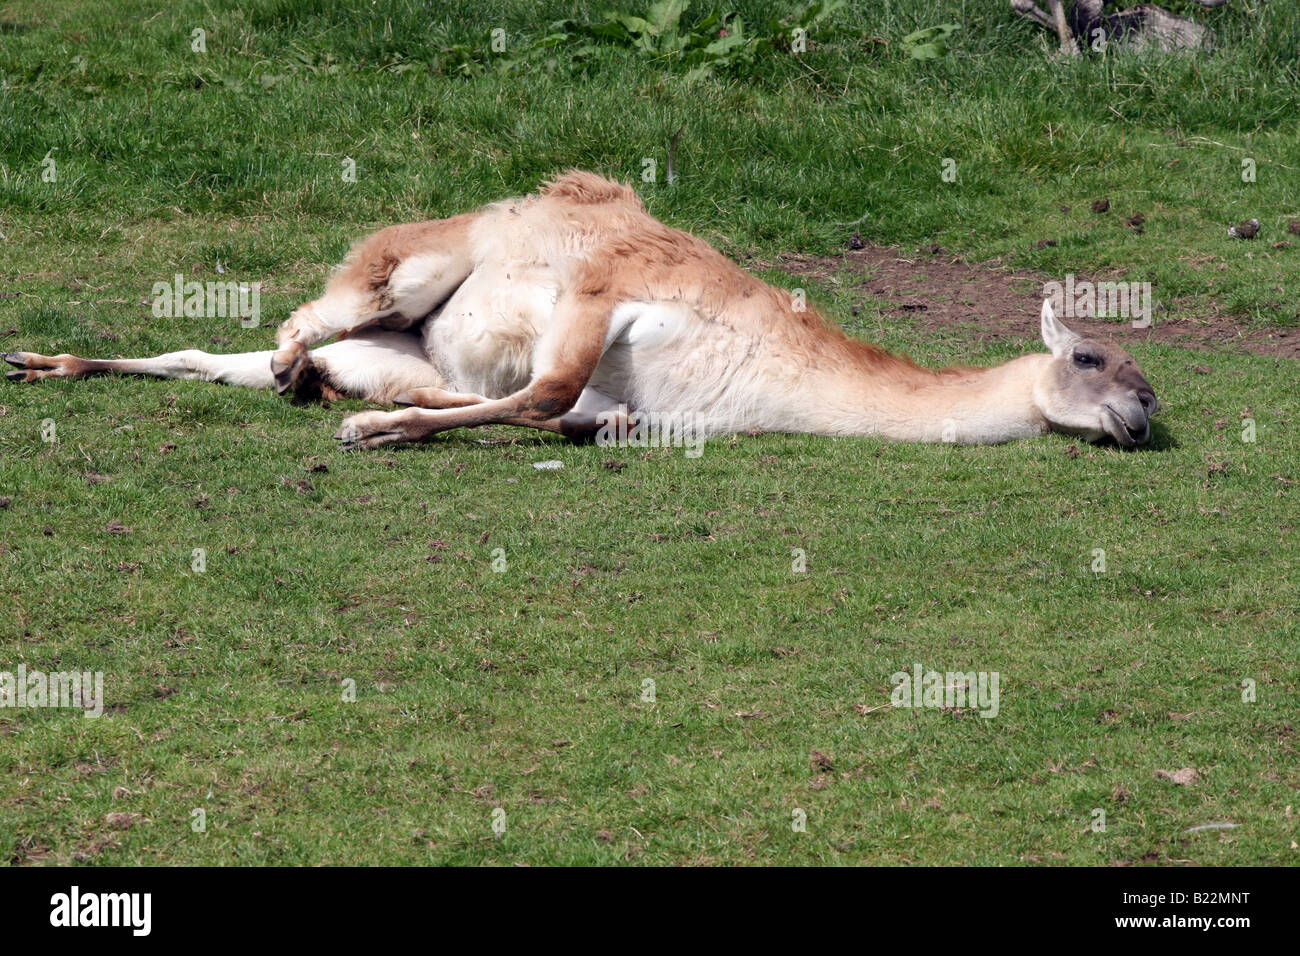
<point>935,291</point>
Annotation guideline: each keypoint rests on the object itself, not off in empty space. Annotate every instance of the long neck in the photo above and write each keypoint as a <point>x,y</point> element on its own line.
<point>969,406</point>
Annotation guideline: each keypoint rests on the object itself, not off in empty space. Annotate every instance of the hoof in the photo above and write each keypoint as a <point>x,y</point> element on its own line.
<point>288,365</point>
<point>372,429</point>
<point>348,435</point>
<point>30,367</point>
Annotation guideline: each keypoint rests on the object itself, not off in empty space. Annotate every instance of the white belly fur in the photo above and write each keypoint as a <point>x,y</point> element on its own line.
<point>483,337</point>
<point>484,340</point>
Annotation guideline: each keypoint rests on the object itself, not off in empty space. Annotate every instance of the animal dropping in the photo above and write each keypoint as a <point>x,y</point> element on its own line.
<point>1246,229</point>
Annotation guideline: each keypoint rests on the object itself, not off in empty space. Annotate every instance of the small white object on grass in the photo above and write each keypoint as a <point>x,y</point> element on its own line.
<point>548,465</point>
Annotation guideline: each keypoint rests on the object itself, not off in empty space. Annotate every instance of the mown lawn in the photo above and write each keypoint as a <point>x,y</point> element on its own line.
<point>523,690</point>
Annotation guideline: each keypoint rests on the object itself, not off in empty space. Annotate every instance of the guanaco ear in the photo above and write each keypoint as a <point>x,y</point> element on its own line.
<point>1058,339</point>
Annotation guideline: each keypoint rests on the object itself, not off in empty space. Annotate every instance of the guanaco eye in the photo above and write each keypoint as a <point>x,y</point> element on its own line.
<point>1087,360</point>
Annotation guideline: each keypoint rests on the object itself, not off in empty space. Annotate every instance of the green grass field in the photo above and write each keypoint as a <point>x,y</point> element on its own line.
<point>524,690</point>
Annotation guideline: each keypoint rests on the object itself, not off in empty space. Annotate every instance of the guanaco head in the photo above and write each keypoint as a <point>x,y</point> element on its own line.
<point>1092,388</point>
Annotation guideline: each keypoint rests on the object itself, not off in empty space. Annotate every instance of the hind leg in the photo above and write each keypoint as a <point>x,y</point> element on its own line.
<point>593,412</point>
<point>394,279</point>
<point>564,358</point>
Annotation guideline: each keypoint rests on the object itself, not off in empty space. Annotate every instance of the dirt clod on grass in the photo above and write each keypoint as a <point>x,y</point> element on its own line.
<point>1182,778</point>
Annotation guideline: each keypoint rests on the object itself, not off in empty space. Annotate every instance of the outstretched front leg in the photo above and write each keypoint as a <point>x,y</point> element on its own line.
<point>243,368</point>
<point>394,279</point>
<point>376,366</point>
